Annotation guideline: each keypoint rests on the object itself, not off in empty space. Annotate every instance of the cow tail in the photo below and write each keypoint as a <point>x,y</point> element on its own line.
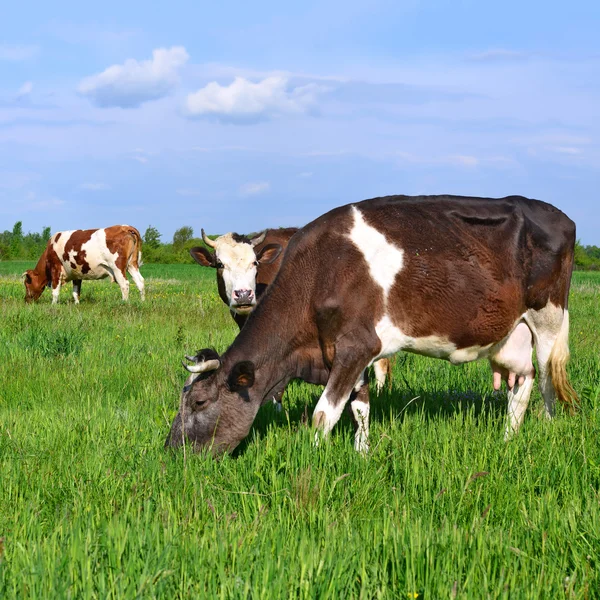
<point>559,356</point>
<point>137,245</point>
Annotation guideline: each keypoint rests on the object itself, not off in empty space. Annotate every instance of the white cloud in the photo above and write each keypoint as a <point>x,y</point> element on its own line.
<point>306,175</point>
<point>94,187</point>
<point>134,82</point>
<point>566,150</point>
<point>463,160</point>
<point>458,160</point>
<point>243,101</point>
<point>140,155</point>
<point>560,143</point>
<point>254,188</point>
<point>17,53</point>
<point>25,89</point>
<point>339,152</point>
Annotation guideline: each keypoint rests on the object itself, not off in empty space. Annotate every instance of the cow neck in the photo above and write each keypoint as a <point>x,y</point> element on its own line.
<point>268,339</point>
<point>41,267</point>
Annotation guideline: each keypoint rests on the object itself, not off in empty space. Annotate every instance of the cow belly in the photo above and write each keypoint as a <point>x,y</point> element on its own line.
<point>393,340</point>
<point>98,273</point>
<point>95,272</point>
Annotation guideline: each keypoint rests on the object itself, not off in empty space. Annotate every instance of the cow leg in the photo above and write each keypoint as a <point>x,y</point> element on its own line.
<point>518,400</point>
<point>57,279</point>
<point>360,408</point>
<point>551,333</point>
<point>137,279</point>
<point>55,293</point>
<point>277,400</point>
<point>381,369</point>
<point>351,358</point>
<point>511,361</point>
<point>76,290</point>
<point>121,279</point>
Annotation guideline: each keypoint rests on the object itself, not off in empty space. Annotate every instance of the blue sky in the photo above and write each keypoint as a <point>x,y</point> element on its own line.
<point>240,116</point>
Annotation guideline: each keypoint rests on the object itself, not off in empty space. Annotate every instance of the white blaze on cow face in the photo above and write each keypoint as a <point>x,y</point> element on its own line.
<point>237,264</point>
<point>384,259</point>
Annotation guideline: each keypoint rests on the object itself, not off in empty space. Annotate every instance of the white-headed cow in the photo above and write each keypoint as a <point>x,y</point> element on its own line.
<point>450,277</point>
<point>87,254</point>
<point>245,266</point>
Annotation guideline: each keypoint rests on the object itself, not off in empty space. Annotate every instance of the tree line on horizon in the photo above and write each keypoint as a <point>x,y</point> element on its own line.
<point>16,245</point>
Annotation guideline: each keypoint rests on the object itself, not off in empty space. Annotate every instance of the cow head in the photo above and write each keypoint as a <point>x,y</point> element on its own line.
<point>34,285</point>
<point>215,412</point>
<point>236,260</point>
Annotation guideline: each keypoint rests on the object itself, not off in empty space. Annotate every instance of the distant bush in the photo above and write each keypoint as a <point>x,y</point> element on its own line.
<point>171,254</point>
<point>14,245</point>
<point>587,258</point>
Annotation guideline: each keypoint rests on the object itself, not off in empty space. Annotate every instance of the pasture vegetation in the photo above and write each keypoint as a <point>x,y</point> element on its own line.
<point>91,506</point>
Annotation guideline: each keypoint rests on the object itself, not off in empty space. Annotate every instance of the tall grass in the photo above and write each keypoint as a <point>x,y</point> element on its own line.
<point>91,506</point>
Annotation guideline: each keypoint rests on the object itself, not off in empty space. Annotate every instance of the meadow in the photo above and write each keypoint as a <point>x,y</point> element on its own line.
<point>92,506</point>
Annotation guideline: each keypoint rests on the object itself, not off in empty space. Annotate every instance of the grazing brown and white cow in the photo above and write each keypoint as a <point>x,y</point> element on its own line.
<point>450,277</point>
<point>87,254</point>
<point>246,267</point>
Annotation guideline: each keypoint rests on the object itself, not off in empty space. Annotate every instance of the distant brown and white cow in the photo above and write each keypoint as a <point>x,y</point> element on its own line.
<point>87,254</point>
<point>450,277</point>
<point>246,267</point>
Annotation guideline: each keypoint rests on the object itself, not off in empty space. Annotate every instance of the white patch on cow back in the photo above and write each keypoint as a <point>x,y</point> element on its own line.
<point>100,259</point>
<point>385,260</point>
<point>58,245</point>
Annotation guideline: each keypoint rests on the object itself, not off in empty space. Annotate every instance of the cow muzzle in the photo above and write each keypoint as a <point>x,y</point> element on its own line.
<point>243,300</point>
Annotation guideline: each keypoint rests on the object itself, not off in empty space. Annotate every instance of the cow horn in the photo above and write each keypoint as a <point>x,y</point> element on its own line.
<point>259,239</point>
<point>208,365</point>
<point>207,240</point>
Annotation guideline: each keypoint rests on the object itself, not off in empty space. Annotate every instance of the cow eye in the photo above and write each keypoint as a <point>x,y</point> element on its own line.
<point>220,265</point>
<point>256,263</point>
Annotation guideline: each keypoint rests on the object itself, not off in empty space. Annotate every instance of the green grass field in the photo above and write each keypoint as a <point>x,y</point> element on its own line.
<point>91,506</point>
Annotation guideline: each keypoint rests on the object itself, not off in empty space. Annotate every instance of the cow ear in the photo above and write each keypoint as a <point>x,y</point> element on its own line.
<point>241,376</point>
<point>26,277</point>
<point>269,253</point>
<point>204,355</point>
<point>203,256</point>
